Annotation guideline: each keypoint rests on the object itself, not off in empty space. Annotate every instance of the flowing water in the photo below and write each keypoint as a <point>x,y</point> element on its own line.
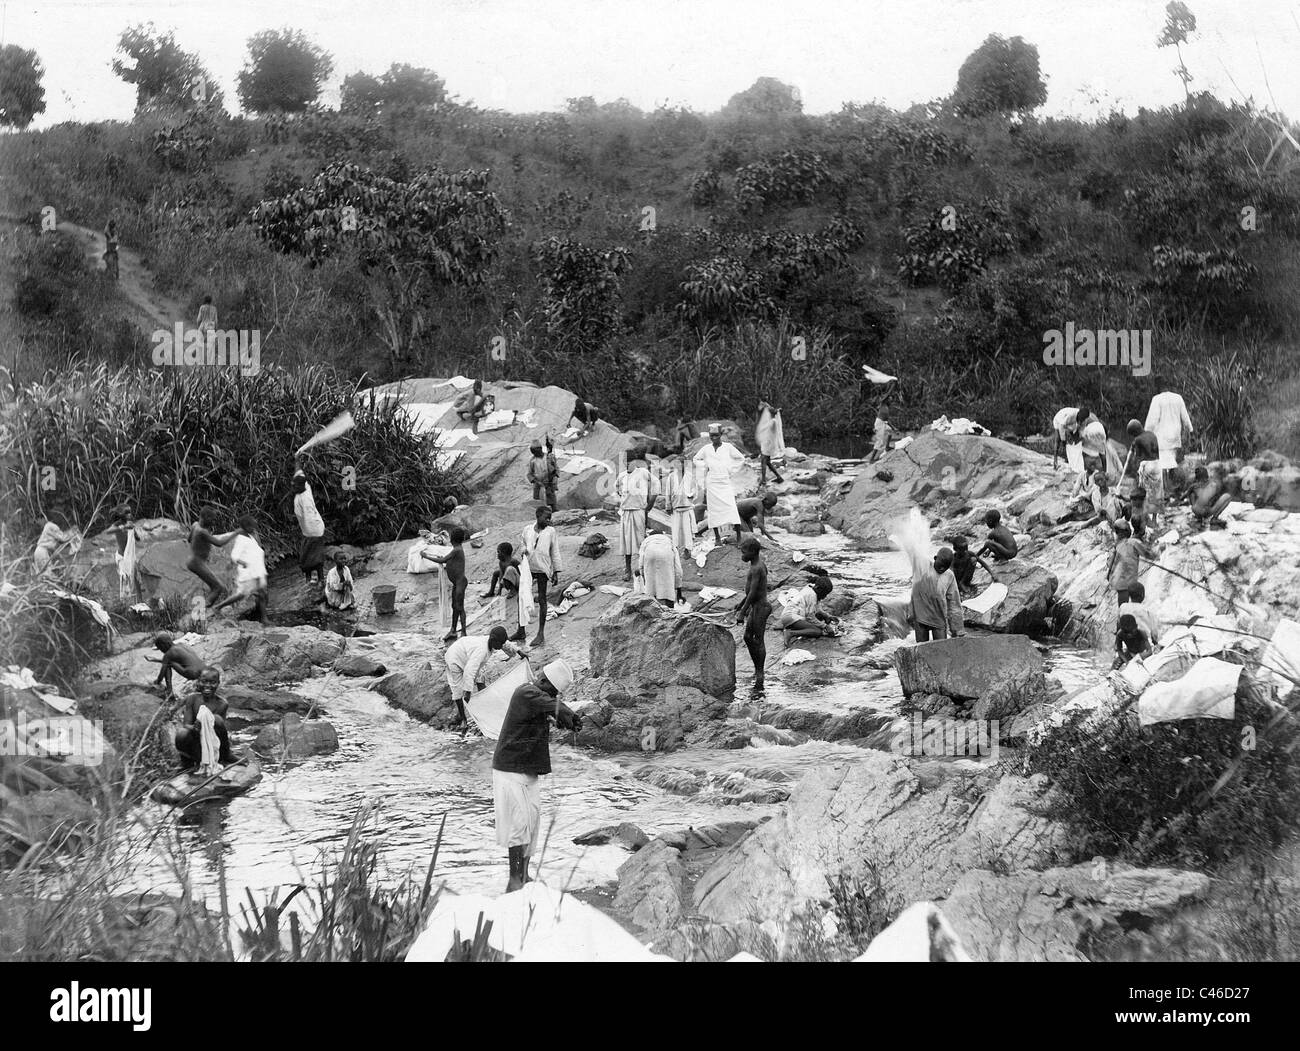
<point>417,775</point>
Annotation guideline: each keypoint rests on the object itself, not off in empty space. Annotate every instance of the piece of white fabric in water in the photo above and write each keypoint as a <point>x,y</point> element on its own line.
<point>797,657</point>
<point>988,599</point>
<point>1207,691</point>
<point>1282,656</point>
<point>709,594</point>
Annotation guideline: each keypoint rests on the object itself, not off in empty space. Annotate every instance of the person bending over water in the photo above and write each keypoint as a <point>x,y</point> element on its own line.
<point>175,657</point>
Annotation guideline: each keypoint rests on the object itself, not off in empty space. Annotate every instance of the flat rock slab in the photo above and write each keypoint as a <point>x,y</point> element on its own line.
<point>968,667</point>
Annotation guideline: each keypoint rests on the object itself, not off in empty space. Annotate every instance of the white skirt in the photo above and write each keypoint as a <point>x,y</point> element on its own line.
<point>517,799</point>
<point>631,531</point>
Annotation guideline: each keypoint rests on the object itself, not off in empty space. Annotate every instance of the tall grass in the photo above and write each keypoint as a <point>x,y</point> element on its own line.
<point>167,442</point>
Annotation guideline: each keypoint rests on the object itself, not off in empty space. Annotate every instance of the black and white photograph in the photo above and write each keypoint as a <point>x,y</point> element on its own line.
<point>649,481</point>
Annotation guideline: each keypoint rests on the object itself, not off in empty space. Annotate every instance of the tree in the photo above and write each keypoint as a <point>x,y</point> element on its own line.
<point>1180,23</point>
<point>361,94</point>
<point>766,98</point>
<point>163,73</point>
<point>285,71</point>
<point>437,229</point>
<point>402,87</point>
<point>1000,76</point>
<point>21,95</point>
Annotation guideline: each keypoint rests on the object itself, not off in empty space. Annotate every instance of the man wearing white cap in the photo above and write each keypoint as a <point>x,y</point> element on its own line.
<point>522,755</point>
<point>717,460</point>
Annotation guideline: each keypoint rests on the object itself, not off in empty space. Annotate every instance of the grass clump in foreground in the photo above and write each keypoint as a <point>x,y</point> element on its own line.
<point>56,907</point>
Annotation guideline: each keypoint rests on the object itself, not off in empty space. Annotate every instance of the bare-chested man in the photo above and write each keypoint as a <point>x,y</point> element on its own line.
<point>175,657</point>
<point>201,540</point>
<point>188,737</point>
<point>755,610</point>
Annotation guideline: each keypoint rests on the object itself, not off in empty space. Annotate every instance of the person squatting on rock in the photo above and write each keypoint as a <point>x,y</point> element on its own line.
<point>202,541</point>
<point>454,564</point>
<point>472,405</point>
<point>755,609</point>
<point>717,460</point>
<point>936,602</point>
<point>661,568</point>
<point>586,414</point>
<point>801,619</point>
<point>1144,615</point>
<point>543,474</point>
<point>338,584</point>
<point>175,657</point>
<point>637,491</point>
<point>189,737</point>
<point>311,550</point>
<point>964,563</point>
<point>522,756</point>
<point>1130,640</point>
<point>250,571</point>
<point>465,658</point>
<point>542,549</point>
<point>1000,543</point>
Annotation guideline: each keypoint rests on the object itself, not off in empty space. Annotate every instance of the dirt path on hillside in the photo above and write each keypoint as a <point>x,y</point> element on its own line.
<point>135,281</point>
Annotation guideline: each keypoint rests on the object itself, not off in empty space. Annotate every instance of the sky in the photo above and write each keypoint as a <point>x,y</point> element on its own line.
<point>531,55</point>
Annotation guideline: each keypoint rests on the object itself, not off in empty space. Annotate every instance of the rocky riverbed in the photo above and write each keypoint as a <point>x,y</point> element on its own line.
<point>747,814</point>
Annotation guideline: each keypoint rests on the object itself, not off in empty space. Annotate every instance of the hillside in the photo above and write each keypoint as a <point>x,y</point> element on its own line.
<point>936,248</point>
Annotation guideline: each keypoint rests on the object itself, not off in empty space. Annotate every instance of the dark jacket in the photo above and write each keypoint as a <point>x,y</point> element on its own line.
<point>524,746</point>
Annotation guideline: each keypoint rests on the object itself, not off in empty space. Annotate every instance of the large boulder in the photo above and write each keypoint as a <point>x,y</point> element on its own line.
<point>279,654</point>
<point>1091,911</point>
<point>874,819</point>
<point>1030,588</point>
<point>161,553</point>
<point>642,645</point>
<point>968,667</point>
<point>295,738</point>
<point>651,887</point>
<point>944,473</point>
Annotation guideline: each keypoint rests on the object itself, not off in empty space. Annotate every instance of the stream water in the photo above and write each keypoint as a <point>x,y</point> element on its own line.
<point>416,775</point>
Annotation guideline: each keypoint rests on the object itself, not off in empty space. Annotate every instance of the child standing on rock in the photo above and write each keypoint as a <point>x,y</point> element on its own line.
<point>454,564</point>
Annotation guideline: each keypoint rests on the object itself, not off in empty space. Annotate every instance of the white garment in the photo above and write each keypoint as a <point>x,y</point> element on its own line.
<point>517,806</point>
<point>126,567</point>
<point>635,488</point>
<point>770,434</point>
<point>464,659</point>
<point>542,549</point>
<point>209,742</point>
<point>249,559</point>
<point>719,493</point>
<point>1168,419</point>
<point>679,498</point>
<point>309,519</point>
<point>1207,691</point>
<point>661,566</point>
<point>1063,422</point>
<point>799,605</point>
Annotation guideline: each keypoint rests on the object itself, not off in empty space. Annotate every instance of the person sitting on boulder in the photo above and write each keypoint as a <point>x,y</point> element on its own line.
<point>1000,543</point>
<point>175,657</point>
<point>801,619</point>
<point>964,563</point>
<point>1130,641</point>
<point>1211,496</point>
<point>472,405</point>
<point>1144,615</point>
<point>1105,504</point>
<point>189,738</point>
<point>751,515</point>
<point>936,602</point>
<point>465,659</point>
<point>338,583</point>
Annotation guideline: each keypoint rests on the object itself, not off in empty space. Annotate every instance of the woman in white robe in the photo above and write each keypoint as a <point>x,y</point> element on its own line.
<point>717,460</point>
